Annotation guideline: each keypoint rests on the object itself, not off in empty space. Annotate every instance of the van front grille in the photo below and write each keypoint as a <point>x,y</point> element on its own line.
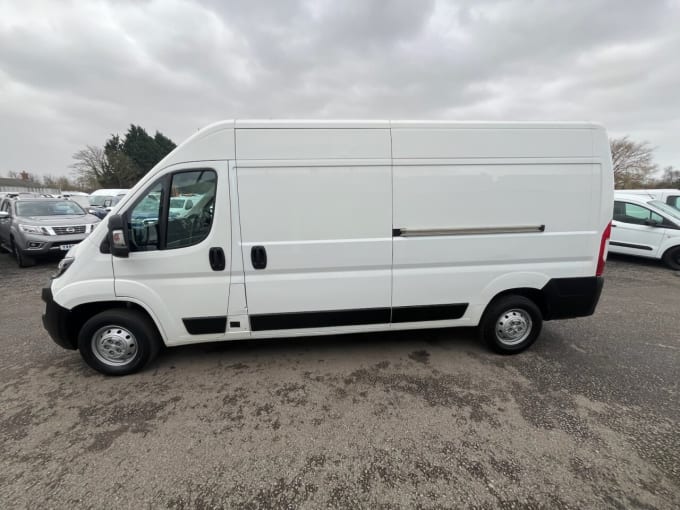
<point>75,229</point>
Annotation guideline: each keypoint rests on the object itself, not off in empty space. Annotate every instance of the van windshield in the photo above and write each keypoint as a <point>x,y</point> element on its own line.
<point>671,211</point>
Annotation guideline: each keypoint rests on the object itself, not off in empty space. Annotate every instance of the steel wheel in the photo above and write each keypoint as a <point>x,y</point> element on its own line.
<point>510,323</point>
<point>118,341</point>
<point>114,345</point>
<point>513,327</point>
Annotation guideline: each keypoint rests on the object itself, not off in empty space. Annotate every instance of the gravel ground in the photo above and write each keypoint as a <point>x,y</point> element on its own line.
<point>421,419</point>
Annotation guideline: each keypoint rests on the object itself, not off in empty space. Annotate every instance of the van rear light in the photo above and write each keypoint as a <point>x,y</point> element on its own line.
<point>604,243</point>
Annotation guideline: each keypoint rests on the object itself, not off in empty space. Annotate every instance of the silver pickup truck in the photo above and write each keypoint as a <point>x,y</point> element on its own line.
<point>30,228</point>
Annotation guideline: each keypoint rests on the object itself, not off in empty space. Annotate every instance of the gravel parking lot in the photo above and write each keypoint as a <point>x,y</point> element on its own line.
<point>587,418</point>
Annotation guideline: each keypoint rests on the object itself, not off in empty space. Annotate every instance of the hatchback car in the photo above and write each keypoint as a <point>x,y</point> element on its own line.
<point>36,227</point>
<point>646,227</point>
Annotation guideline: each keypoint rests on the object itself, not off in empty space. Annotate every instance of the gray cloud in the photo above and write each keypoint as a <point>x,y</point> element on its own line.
<point>72,73</point>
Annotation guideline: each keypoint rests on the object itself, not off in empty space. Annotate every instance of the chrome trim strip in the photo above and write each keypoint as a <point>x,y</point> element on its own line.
<point>433,232</point>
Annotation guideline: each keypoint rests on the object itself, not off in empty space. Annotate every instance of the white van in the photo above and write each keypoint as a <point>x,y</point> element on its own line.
<point>104,197</point>
<point>326,227</point>
<point>667,196</point>
<point>646,227</point>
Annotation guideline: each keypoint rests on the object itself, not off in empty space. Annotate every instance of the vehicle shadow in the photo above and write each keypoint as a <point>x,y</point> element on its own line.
<point>51,259</point>
<point>345,345</point>
<point>638,261</point>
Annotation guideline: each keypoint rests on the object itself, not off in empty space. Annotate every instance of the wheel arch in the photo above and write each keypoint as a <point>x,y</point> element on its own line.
<point>537,296</point>
<point>79,314</point>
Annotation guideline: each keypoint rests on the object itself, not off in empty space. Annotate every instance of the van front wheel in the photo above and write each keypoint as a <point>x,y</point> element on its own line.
<point>118,341</point>
<point>511,324</point>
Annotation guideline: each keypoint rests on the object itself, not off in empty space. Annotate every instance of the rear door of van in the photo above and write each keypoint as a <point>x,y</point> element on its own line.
<point>316,219</point>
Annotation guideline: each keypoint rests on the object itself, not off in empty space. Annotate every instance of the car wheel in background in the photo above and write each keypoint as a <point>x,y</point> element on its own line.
<point>118,341</point>
<point>22,260</point>
<point>510,324</point>
<point>672,258</point>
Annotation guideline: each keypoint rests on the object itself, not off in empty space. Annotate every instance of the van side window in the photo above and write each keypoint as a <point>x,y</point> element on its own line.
<point>193,225</point>
<point>674,201</point>
<point>626,212</point>
<point>144,220</point>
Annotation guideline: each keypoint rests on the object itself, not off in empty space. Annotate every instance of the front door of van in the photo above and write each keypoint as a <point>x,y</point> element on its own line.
<point>316,245</point>
<point>636,230</point>
<point>179,262</point>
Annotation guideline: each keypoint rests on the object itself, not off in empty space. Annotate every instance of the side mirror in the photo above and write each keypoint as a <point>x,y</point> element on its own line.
<point>4,215</point>
<point>118,236</point>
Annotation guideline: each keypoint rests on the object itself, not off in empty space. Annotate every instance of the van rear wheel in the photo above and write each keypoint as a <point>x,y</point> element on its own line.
<point>672,258</point>
<point>118,341</point>
<point>510,324</point>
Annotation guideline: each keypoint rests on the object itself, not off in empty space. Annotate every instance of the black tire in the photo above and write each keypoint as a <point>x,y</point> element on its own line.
<point>516,309</point>
<point>114,326</point>
<point>22,260</point>
<point>672,258</point>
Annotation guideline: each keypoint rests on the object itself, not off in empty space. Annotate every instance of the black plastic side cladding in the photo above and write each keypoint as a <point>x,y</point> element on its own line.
<point>566,298</point>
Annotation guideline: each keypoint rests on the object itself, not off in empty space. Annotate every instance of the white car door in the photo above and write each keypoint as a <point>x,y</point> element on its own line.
<point>636,230</point>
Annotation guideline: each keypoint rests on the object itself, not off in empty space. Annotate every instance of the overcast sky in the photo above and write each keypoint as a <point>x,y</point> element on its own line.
<point>72,73</point>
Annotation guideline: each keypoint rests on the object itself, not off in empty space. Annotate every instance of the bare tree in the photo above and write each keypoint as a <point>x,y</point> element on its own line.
<point>89,166</point>
<point>670,178</point>
<point>633,162</point>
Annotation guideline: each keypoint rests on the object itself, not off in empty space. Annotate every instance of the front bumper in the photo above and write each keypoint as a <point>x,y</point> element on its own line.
<point>56,320</point>
<point>33,245</point>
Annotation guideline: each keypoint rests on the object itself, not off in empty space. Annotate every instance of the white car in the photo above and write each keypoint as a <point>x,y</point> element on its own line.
<point>646,227</point>
<point>668,196</point>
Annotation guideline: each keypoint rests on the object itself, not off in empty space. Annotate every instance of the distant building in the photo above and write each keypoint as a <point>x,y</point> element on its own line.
<point>18,186</point>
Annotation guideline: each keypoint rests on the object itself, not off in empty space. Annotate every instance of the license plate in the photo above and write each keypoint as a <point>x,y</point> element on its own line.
<point>66,247</point>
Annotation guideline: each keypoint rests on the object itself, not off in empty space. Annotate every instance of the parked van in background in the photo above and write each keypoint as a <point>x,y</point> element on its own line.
<point>668,196</point>
<point>646,227</point>
<point>324,227</point>
<point>103,200</point>
<point>100,197</point>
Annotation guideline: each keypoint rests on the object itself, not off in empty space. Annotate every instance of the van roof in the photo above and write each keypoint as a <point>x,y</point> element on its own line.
<point>384,124</point>
<point>218,141</point>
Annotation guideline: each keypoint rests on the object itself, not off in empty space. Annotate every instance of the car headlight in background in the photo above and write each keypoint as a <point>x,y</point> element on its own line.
<point>33,229</point>
<point>92,226</point>
<point>64,264</point>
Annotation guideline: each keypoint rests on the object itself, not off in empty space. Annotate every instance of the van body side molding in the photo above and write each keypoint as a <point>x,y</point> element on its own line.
<point>363,316</point>
<point>434,232</point>
<point>205,325</point>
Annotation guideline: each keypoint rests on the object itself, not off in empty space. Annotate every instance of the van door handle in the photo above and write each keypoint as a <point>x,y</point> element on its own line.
<point>258,256</point>
<point>217,259</point>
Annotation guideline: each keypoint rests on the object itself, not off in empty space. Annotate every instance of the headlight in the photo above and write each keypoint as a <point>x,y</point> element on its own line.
<point>33,229</point>
<point>64,264</point>
<point>92,227</point>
